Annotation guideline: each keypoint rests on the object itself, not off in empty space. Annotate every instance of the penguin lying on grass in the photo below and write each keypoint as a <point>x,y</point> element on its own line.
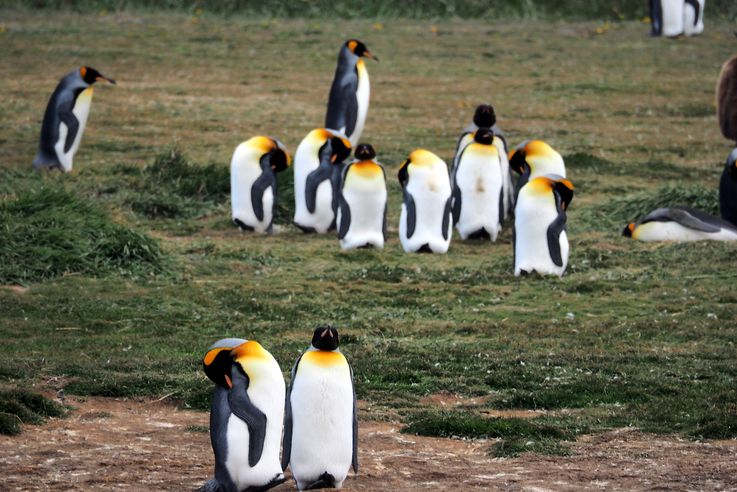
<point>680,224</point>
<point>246,416</point>
<point>65,119</point>
<point>726,96</point>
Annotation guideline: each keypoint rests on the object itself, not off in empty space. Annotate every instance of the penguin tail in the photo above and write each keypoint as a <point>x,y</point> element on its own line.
<point>210,486</point>
<point>326,481</point>
<point>425,248</point>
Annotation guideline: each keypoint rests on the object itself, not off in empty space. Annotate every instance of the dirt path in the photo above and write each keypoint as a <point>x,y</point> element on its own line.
<point>109,444</point>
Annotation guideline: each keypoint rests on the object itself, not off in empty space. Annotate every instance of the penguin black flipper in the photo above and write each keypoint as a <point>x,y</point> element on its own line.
<point>446,219</point>
<point>690,218</point>
<point>287,439</point>
<point>383,227</point>
<point>66,115</point>
<point>345,217</point>
<point>244,409</point>
<point>259,187</point>
<point>314,179</point>
<point>343,104</point>
<point>697,10</point>
<point>501,206</point>
<point>554,230</point>
<point>354,460</point>
<point>409,203</point>
<point>219,415</point>
<point>656,16</point>
<point>456,208</point>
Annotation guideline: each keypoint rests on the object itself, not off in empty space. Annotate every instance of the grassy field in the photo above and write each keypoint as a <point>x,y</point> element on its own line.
<point>634,335</point>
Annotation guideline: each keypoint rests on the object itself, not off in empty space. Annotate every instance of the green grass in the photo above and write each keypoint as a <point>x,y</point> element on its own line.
<point>24,407</point>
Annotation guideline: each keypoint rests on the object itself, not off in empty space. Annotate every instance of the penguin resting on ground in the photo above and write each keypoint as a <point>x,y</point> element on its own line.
<point>726,95</point>
<point>65,119</point>
<point>350,91</point>
<point>425,221</point>
<point>253,190</point>
<point>478,194</point>
<point>540,238</point>
<point>534,158</point>
<point>246,416</point>
<point>362,202</point>
<point>318,164</point>
<point>321,423</point>
<point>680,224</point>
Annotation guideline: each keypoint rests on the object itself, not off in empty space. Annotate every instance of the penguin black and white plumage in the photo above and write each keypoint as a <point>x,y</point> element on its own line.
<point>478,191</point>
<point>693,17</point>
<point>425,221</point>
<point>247,416</point>
<point>350,92</point>
<point>680,224</point>
<point>540,238</point>
<point>726,96</point>
<point>534,158</point>
<point>666,17</point>
<point>321,425</point>
<point>318,164</point>
<point>362,202</point>
<point>65,119</point>
<point>253,190</point>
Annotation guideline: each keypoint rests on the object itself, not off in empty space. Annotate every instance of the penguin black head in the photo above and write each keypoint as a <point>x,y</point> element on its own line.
<point>403,174</point>
<point>518,160</point>
<point>325,338</point>
<point>219,359</point>
<point>278,157</point>
<point>628,229</point>
<point>485,116</point>
<point>564,190</point>
<point>90,75</point>
<point>341,148</point>
<point>483,136</point>
<point>359,49</point>
<point>365,152</point>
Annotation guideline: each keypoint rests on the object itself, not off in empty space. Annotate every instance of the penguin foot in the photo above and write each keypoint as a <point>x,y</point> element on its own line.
<point>210,486</point>
<point>242,226</point>
<point>425,248</point>
<point>326,481</point>
<point>305,229</point>
<point>480,234</point>
<point>277,480</point>
<point>366,246</point>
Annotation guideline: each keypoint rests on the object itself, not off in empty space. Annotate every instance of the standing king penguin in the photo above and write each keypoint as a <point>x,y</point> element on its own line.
<point>540,238</point>
<point>350,92</point>
<point>680,224</point>
<point>425,221</point>
<point>321,424</point>
<point>533,158</point>
<point>246,417</point>
<point>65,119</point>
<point>362,202</point>
<point>318,164</point>
<point>253,182</point>
<point>726,95</point>
<point>478,194</point>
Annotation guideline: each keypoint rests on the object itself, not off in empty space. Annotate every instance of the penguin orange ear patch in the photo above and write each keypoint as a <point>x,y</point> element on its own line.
<point>352,46</point>
<point>83,71</point>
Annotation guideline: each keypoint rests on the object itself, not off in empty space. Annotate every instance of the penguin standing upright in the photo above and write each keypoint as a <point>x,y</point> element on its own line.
<point>666,17</point>
<point>680,224</point>
<point>425,221</point>
<point>540,239</point>
<point>65,119</point>
<point>246,418</point>
<point>726,95</point>
<point>318,164</point>
<point>478,195</point>
<point>350,92</point>
<point>533,158</point>
<point>253,182</point>
<point>362,202</point>
<point>321,424</point>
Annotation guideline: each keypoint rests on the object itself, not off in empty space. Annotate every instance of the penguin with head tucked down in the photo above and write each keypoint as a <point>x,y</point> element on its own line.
<point>253,182</point>
<point>349,94</point>
<point>540,238</point>
<point>65,119</point>
<point>321,424</point>
<point>726,95</point>
<point>680,224</point>
<point>425,221</point>
<point>362,202</point>
<point>318,164</point>
<point>246,418</point>
<point>533,158</point>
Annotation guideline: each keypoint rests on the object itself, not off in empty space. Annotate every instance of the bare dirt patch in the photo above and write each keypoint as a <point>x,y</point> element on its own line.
<point>113,444</point>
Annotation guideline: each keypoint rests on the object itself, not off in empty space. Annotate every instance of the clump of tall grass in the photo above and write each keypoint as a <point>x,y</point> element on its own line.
<point>23,407</point>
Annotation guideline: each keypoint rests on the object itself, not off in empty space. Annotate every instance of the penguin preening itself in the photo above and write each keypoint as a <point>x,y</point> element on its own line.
<point>362,202</point>
<point>534,158</point>
<point>246,417</point>
<point>65,119</point>
<point>726,95</point>
<point>321,424</point>
<point>253,189</point>
<point>478,191</point>
<point>350,92</point>
<point>680,224</point>
<point>425,221</point>
<point>540,238</point>
<point>318,164</point>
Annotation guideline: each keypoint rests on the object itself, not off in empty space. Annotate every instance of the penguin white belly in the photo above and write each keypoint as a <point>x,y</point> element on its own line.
<point>303,166</point>
<point>367,202</point>
<point>322,423</point>
<point>480,180</point>
<point>242,177</point>
<point>323,217</point>
<point>531,240</point>
<point>672,12</point>
<point>693,21</point>
<point>430,196</point>
<point>81,111</point>
<point>362,96</point>
<point>673,231</point>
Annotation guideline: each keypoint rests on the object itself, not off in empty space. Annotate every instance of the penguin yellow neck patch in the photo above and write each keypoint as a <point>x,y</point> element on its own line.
<point>366,169</point>
<point>324,359</point>
<point>250,349</point>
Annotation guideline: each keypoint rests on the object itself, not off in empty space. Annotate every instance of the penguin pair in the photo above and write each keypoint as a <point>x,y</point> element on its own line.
<point>676,17</point>
<point>250,408</point>
<point>726,96</point>
<point>65,119</point>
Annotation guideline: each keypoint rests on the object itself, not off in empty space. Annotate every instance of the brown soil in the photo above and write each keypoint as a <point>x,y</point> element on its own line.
<point>110,444</point>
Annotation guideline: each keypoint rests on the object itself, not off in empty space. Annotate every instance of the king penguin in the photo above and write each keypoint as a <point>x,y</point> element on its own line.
<point>726,96</point>
<point>253,182</point>
<point>478,195</point>
<point>425,221</point>
<point>540,238</point>
<point>666,17</point>
<point>362,202</point>
<point>321,424</point>
<point>318,164</point>
<point>680,224</point>
<point>246,418</point>
<point>534,158</point>
<point>350,92</point>
<point>65,119</point>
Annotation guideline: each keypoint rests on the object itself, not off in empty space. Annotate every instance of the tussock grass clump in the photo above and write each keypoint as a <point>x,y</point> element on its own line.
<point>23,407</point>
<point>47,232</point>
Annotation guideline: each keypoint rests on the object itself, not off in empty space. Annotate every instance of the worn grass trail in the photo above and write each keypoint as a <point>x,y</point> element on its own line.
<point>634,334</point>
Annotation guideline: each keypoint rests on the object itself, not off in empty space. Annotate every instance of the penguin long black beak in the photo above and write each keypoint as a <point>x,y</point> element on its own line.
<point>102,77</point>
<point>368,54</point>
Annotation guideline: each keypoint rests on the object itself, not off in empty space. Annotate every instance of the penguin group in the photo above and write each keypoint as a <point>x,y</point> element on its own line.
<point>253,415</point>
